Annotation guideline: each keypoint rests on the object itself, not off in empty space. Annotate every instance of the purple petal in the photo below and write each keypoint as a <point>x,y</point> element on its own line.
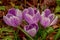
<point>31,11</point>
<point>32,32</point>
<point>47,12</point>
<point>28,18</point>
<point>28,27</point>
<point>35,10</point>
<point>31,15</point>
<point>43,14</point>
<point>36,26</point>
<point>12,11</point>
<point>31,29</point>
<point>19,14</point>
<point>45,22</point>
<point>9,15</point>
<point>51,16</point>
<point>15,21</point>
<point>54,21</point>
<point>7,20</point>
<point>36,17</point>
<point>25,11</point>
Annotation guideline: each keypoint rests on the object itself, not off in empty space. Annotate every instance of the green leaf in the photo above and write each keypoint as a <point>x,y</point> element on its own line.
<point>25,32</point>
<point>57,35</point>
<point>58,2</point>
<point>39,33</point>
<point>44,35</point>
<point>16,7</point>
<point>49,30</point>
<point>7,38</point>
<point>57,9</point>
<point>2,7</point>
<point>6,29</point>
<point>46,32</point>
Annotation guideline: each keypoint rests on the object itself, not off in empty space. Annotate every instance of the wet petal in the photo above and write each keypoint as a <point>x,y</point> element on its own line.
<point>54,21</point>
<point>45,22</point>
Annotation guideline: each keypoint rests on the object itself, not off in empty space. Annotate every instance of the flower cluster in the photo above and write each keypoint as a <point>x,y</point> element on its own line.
<point>32,16</point>
<point>13,17</point>
<point>48,18</point>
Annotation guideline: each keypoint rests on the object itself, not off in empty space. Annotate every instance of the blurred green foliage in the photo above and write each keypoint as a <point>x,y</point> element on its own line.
<point>4,33</point>
<point>57,9</point>
<point>58,2</point>
<point>57,36</point>
<point>2,7</point>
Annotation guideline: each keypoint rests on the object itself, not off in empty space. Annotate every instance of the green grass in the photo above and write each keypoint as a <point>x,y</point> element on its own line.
<point>2,7</point>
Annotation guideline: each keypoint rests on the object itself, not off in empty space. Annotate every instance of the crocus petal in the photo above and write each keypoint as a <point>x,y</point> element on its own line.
<point>31,29</point>
<point>51,16</point>
<point>25,11</point>
<point>31,15</point>
<point>31,11</point>
<point>12,11</point>
<point>47,12</point>
<point>13,18</point>
<point>32,32</point>
<point>28,18</point>
<point>36,17</point>
<point>43,14</point>
<point>54,21</point>
<point>35,25</point>
<point>15,21</point>
<point>45,22</point>
<point>9,15</point>
<point>35,10</point>
<point>19,14</point>
<point>7,20</point>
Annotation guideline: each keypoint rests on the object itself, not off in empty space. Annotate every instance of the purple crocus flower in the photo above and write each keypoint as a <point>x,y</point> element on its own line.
<point>31,29</point>
<point>47,18</point>
<point>31,15</point>
<point>13,17</point>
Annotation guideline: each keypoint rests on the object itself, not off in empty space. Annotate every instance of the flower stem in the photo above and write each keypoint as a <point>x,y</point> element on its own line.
<point>25,33</point>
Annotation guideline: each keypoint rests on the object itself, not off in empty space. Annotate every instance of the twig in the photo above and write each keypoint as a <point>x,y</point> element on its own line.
<point>29,4</point>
